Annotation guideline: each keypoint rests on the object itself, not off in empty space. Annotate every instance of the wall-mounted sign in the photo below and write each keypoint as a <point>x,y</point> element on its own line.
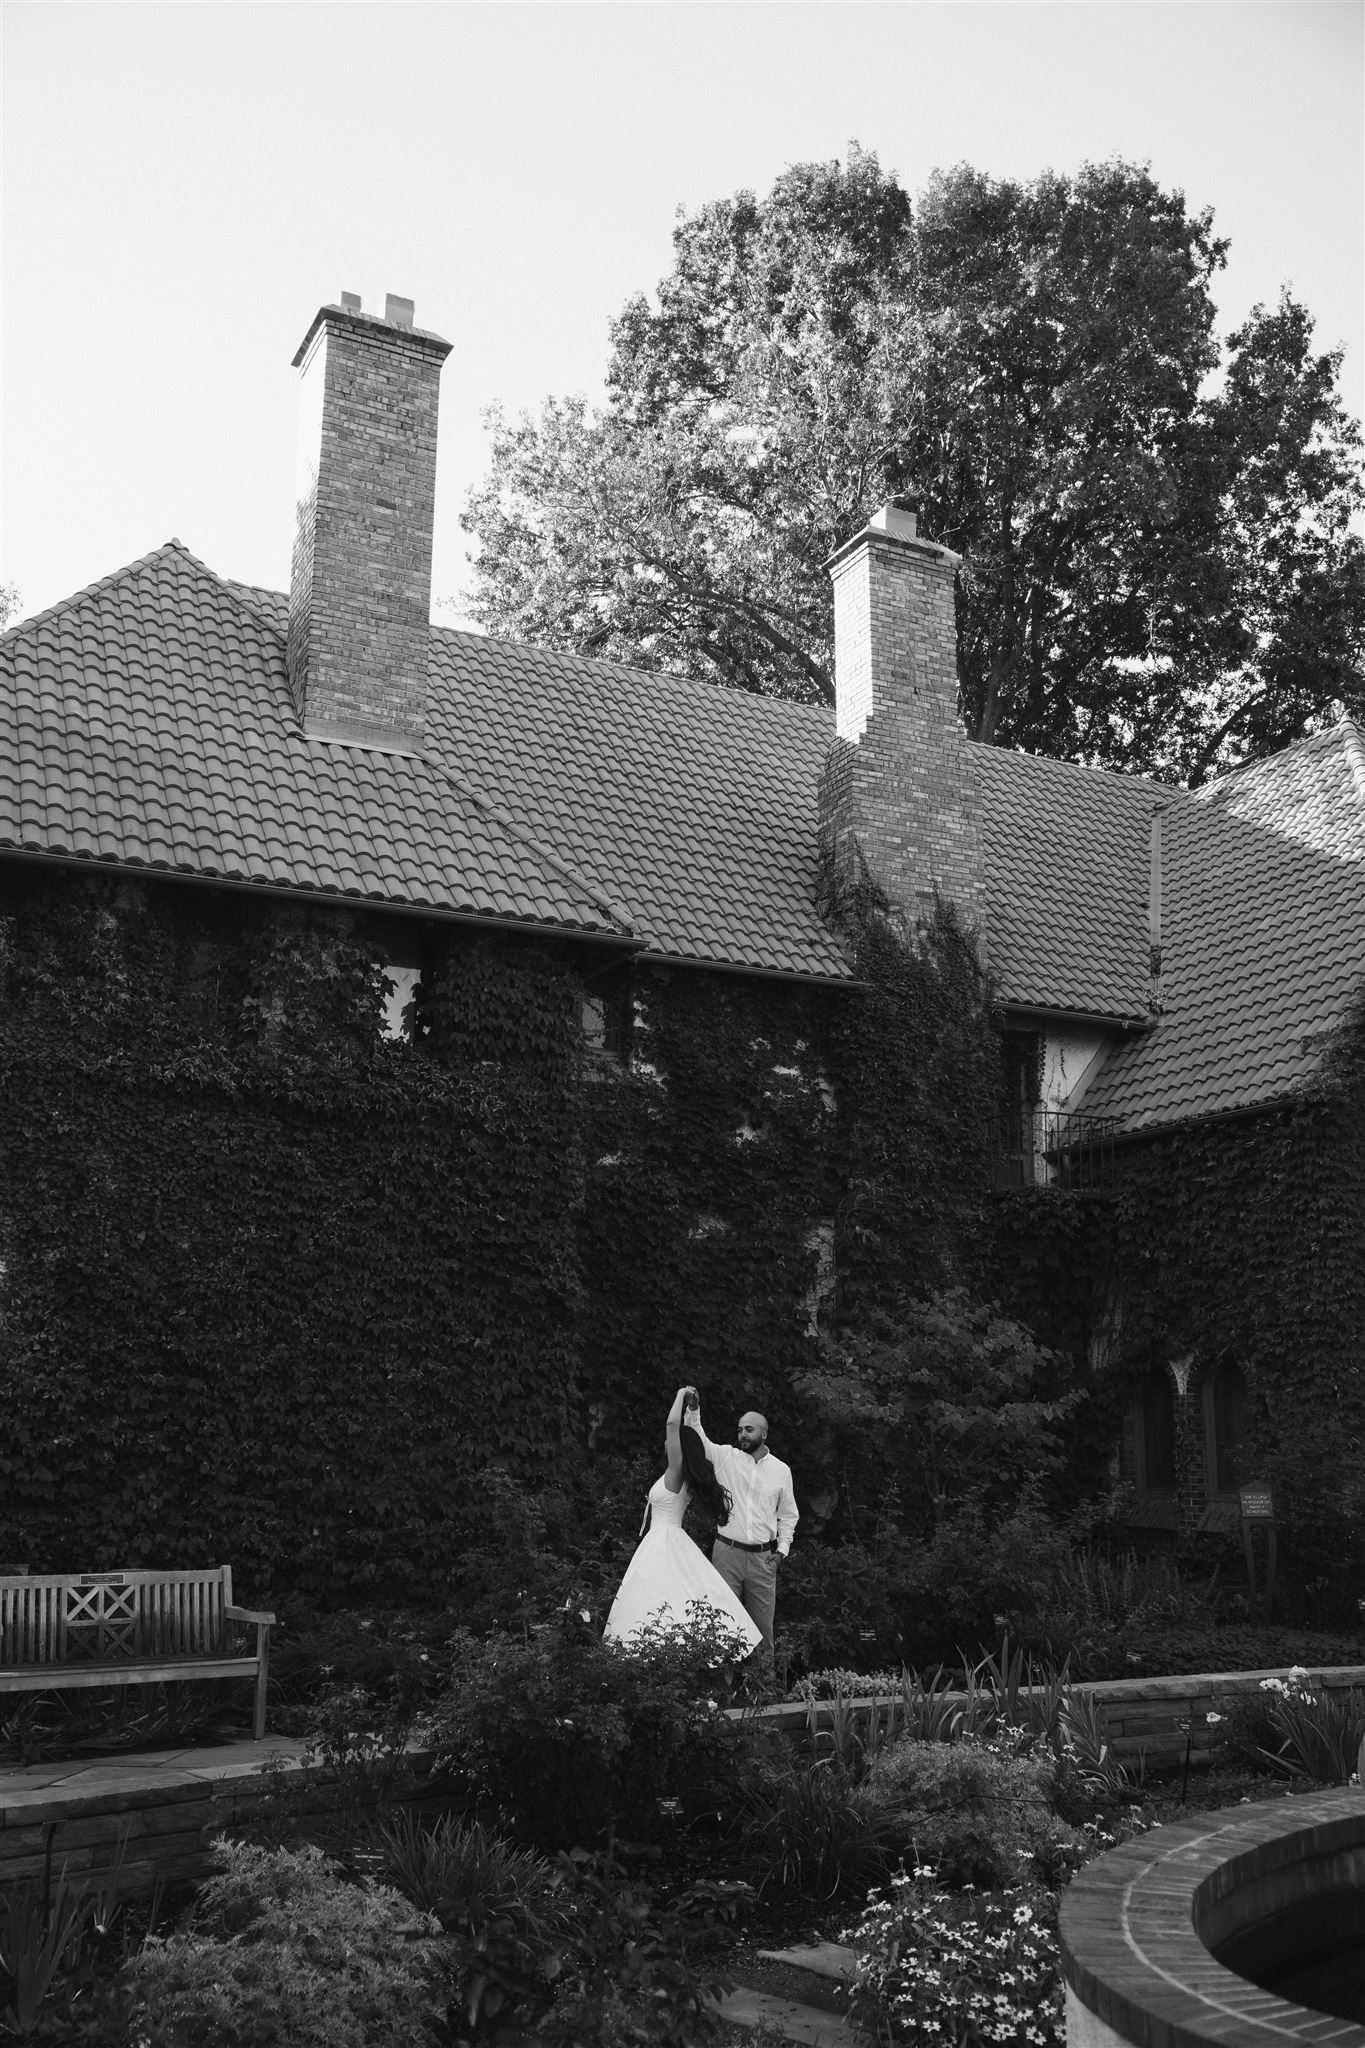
<point>1257,1503</point>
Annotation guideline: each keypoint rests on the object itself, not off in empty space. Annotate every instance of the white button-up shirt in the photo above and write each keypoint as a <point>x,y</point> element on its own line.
<point>761,1489</point>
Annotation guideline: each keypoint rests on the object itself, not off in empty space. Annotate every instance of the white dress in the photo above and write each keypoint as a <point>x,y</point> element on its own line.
<point>667,1572</point>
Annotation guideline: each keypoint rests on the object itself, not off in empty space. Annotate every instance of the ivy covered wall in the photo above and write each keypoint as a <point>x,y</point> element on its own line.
<point>1233,1244</point>
<point>277,1288</point>
<point>281,1292</point>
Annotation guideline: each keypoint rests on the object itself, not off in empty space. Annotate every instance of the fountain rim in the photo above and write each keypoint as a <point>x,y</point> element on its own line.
<point>1131,1949</point>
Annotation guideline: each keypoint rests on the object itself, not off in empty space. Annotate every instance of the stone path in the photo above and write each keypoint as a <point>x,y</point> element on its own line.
<point>32,1791</point>
<point>809,2026</point>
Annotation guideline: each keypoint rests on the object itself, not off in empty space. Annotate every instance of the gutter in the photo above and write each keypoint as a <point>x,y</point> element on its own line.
<point>1291,1099</point>
<point>1105,1020</point>
<point>142,871</point>
<point>832,981</point>
<point>631,947</point>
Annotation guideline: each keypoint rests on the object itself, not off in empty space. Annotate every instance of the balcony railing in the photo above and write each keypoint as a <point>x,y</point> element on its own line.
<point>1051,1148</point>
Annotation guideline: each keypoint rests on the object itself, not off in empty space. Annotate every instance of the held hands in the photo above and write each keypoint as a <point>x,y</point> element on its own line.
<point>691,1398</point>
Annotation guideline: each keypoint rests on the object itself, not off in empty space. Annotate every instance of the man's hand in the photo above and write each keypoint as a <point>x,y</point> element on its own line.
<point>691,1398</point>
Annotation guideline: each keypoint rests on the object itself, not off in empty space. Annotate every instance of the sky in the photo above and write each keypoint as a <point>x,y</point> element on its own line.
<point>184,185</point>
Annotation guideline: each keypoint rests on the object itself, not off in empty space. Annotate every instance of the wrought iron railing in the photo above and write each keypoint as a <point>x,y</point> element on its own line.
<point>1054,1148</point>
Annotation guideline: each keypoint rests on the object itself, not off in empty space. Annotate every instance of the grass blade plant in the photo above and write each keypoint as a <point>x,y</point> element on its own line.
<point>1318,1732</point>
<point>813,1830</point>
<point>466,1875</point>
<point>37,1938</point>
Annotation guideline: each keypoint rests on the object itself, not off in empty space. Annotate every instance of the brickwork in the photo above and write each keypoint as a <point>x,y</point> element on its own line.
<point>899,796</point>
<point>360,590</point>
<point>1149,1931</point>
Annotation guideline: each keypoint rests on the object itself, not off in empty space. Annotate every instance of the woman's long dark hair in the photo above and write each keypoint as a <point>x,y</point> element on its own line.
<point>700,1473</point>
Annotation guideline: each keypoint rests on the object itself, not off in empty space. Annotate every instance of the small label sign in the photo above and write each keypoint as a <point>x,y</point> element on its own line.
<point>1257,1504</point>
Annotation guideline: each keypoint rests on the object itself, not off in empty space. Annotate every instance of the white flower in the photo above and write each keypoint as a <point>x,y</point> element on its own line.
<point>1213,1719</point>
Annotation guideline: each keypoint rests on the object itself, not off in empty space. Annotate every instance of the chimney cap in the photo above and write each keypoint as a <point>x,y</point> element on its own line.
<point>398,312</point>
<point>897,520</point>
<point>350,316</point>
<point>899,517</point>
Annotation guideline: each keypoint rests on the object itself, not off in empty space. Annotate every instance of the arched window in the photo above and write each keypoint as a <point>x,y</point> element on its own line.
<point>1156,1435</point>
<point>1225,1403</point>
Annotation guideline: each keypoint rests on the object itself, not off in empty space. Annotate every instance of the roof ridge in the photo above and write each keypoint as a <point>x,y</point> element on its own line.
<point>659,676</point>
<point>1141,783</point>
<point>1344,729</point>
<point>100,583</point>
<point>1354,745</point>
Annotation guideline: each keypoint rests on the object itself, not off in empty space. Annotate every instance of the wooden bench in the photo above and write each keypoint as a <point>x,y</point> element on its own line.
<point>128,1628</point>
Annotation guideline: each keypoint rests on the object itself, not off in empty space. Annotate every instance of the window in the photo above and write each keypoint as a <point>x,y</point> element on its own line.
<point>1225,1403</point>
<point>606,1018</point>
<point>399,990</point>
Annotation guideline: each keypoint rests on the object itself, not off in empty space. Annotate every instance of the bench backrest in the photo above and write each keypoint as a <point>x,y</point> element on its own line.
<point>106,1617</point>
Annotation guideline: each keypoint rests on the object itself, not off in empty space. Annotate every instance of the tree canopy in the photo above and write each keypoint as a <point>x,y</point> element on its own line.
<point>1159,570</point>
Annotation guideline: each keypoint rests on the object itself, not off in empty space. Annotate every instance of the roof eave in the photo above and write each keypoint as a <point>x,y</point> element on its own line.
<point>144,871</point>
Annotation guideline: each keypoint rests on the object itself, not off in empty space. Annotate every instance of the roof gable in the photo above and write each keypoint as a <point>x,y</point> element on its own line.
<point>1263,938</point>
<point>148,722</point>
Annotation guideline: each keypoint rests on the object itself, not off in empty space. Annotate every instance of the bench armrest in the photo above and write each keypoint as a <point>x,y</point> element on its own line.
<point>249,1614</point>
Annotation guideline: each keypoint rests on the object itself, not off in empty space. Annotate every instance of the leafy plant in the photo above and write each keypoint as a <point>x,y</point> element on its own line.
<point>979,1809</point>
<point>280,1945</point>
<point>464,1874</point>
<point>1314,1733</point>
<point>37,1937</point>
<point>812,1829</point>
<point>630,1979</point>
<point>575,1737</point>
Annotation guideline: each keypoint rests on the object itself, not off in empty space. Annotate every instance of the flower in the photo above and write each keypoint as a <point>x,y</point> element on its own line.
<point>1213,1719</point>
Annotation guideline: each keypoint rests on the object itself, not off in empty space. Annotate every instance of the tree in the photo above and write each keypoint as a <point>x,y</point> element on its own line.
<point>10,602</point>
<point>1158,569</point>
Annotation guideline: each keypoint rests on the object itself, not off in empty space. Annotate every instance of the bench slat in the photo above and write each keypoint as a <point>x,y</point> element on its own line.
<point>53,1678</point>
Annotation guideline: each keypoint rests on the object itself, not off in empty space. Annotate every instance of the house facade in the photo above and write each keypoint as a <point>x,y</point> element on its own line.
<point>1170,976</point>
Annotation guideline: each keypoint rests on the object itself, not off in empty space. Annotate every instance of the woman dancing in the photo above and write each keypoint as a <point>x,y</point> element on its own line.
<point>668,1570</point>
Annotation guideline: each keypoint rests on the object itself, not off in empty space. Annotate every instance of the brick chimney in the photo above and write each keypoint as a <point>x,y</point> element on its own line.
<point>899,797</point>
<point>360,589</point>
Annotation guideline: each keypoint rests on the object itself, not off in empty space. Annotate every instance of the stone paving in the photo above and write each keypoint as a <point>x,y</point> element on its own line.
<point>807,2026</point>
<point>41,1791</point>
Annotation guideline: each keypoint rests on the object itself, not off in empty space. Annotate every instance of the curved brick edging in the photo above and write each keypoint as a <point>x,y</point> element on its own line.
<point>1136,1924</point>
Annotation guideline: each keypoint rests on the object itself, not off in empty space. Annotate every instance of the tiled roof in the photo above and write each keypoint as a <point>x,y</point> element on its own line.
<point>148,721</point>
<point>1066,864</point>
<point>1263,937</point>
<point>692,806</point>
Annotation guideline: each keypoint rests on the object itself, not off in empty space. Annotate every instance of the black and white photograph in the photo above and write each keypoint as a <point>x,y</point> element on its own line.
<point>682,1023</point>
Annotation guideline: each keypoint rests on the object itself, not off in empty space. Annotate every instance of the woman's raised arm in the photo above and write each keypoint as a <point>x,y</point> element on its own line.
<point>673,1476</point>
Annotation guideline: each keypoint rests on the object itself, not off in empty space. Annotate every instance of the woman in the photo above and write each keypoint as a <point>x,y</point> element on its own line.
<point>668,1570</point>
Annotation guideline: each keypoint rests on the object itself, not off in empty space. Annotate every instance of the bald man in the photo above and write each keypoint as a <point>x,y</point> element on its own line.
<point>762,1522</point>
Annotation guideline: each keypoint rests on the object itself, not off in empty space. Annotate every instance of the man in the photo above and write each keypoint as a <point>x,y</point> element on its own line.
<point>762,1522</point>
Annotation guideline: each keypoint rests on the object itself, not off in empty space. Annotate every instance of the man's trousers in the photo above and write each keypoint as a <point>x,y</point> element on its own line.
<point>751,1576</point>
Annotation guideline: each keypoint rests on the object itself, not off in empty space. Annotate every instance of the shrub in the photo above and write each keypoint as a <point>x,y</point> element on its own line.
<point>280,1946</point>
<point>574,1738</point>
<point>939,1968</point>
<point>813,1829</point>
<point>974,1809</point>
<point>628,1979</point>
<point>464,1874</point>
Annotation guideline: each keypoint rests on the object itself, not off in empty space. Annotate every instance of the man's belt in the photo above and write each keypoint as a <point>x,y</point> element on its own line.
<point>735,1544</point>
